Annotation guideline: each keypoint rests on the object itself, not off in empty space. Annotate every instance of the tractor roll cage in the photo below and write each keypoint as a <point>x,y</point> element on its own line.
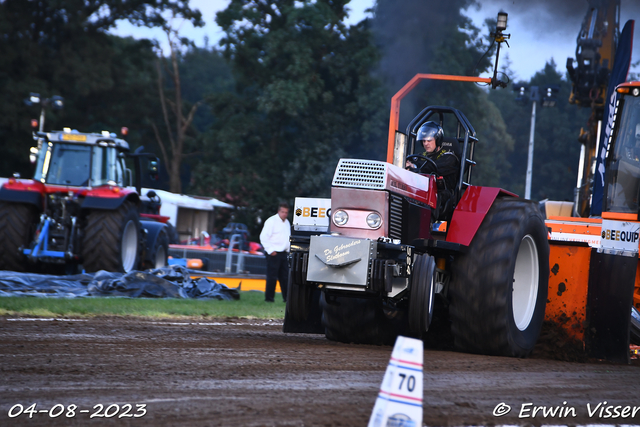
<point>470,134</point>
<point>465,135</point>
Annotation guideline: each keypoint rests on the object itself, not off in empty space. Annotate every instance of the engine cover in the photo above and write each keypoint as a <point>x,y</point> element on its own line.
<point>376,175</point>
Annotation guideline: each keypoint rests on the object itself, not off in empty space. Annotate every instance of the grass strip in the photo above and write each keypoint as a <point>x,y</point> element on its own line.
<point>251,305</point>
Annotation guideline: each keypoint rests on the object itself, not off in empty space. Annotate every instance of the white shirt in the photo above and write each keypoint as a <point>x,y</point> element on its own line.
<point>275,235</point>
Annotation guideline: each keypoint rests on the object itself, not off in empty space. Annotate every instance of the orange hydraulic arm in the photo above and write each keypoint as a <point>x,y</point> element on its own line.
<point>395,101</point>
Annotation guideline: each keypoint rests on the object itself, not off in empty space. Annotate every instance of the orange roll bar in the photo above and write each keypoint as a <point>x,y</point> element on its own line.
<point>395,101</point>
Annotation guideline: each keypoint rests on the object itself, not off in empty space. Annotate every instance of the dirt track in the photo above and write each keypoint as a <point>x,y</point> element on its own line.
<point>248,373</point>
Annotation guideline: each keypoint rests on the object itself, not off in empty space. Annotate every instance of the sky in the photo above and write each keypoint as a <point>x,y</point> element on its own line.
<point>540,30</point>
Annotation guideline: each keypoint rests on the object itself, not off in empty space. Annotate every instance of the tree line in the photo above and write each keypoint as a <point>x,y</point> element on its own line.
<point>265,116</point>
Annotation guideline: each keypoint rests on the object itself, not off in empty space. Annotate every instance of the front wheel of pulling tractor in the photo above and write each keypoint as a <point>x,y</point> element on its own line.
<point>422,294</point>
<point>357,320</point>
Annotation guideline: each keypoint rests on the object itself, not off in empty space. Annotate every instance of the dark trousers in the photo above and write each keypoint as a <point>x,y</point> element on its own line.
<point>277,270</point>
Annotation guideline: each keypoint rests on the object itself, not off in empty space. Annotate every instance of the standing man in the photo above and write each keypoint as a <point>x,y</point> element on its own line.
<point>275,240</point>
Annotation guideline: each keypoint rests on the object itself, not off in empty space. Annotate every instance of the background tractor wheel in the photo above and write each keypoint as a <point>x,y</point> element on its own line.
<point>17,224</point>
<point>111,239</point>
<point>174,237</point>
<point>499,286</point>
<point>422,294</point>
<point>160,251</point>
<point>357,320</point>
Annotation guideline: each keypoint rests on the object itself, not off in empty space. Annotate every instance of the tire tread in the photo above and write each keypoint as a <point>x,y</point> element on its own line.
<point>479,308</point>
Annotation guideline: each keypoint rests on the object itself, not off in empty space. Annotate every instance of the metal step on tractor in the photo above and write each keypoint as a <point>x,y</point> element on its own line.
<point>81,208</point>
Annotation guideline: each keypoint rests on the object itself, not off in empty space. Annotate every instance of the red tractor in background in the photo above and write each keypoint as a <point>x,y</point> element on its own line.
<point>81,209</point>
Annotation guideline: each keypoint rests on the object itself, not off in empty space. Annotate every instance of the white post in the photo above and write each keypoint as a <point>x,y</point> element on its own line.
<point>41,128</point>
<point>527,186</point>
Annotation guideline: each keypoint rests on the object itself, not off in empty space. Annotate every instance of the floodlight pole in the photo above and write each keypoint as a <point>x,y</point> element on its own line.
<point>41,126</point>
<point>56,102</point>
<point>527,186</point>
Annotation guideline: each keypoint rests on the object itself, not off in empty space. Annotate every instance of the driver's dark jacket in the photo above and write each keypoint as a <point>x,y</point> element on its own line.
<point>448,166</point>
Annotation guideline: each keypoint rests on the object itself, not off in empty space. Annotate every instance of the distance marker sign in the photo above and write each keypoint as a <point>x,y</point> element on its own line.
<point>399,401</point>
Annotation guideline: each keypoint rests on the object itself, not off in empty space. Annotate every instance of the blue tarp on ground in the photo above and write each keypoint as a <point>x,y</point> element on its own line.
<point>167,282</point>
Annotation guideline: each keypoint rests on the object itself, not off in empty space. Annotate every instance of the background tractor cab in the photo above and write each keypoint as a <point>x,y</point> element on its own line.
<point>80,208</point>
<point>75,159</point>
<point>622,178</point>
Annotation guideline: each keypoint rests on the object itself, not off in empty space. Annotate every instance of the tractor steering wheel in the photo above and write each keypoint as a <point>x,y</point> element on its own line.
<point>413,158</point>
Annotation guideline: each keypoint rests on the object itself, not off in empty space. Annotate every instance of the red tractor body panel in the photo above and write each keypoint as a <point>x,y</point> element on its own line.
<point>25,185</point>
<point>153,217</point>
<point>409,184</point>
<point>105,191</point>
<point>470,212</point>
<point>377,175</point>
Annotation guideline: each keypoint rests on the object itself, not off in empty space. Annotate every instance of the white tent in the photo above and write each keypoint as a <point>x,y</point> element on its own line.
<point>190,215</point>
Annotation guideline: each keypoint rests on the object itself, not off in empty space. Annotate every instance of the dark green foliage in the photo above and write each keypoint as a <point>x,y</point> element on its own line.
<point>303,98</point>
<point>556,146</point>
<point>435,37</point>
<point>293,90</point>
<point>56,47</point>
<point>204,73</point>
<point>417,36</point>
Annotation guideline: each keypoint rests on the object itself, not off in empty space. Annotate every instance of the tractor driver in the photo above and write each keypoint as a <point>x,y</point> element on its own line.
<point>430,134</point>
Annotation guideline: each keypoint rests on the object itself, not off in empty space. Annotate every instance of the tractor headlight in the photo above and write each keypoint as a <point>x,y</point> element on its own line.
<point>340,218</point>
<point>374,220</point>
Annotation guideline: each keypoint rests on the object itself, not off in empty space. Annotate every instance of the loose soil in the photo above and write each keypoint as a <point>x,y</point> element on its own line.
<point>238,372</point>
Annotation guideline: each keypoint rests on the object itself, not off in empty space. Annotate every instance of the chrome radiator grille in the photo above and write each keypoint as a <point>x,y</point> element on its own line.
<point>395,217</point>
<point>360,174</point>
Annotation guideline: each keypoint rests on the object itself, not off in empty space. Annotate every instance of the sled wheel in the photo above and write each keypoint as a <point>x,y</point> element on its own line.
<point>111,239</point>
<point>422,294</point>
<point>17,224</point>
<point>499,285</point>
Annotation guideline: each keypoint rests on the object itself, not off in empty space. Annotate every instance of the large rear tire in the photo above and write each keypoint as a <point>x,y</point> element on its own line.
<point>111,239</point>
<point>17,224</point>
<point>357,320</point>
<point>499,286</point>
